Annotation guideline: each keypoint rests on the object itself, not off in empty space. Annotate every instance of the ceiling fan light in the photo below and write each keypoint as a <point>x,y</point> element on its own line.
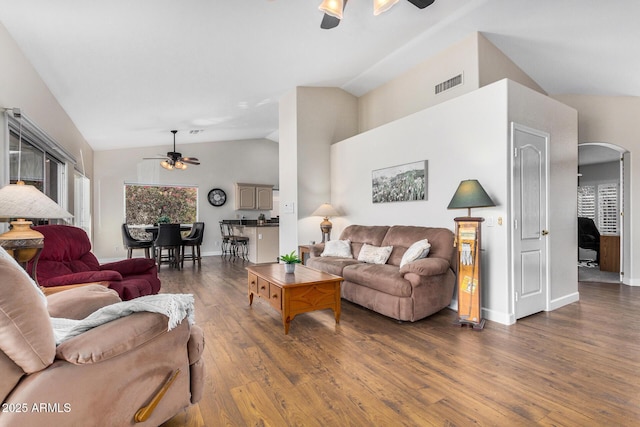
<point>180,165</point>
<point>166,164</point>
<point>333,7</point>
<point>380,6</point>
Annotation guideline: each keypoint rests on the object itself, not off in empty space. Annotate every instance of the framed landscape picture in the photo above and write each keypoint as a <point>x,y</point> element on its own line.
<point>400,183</point>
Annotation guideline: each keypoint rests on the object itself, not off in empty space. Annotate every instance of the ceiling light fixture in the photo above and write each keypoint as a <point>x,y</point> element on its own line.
<point>332,7</point>
<point>174,160</point>
<point>380,6</point>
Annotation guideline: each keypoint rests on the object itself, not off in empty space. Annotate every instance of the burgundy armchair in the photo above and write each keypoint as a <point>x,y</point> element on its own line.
<point>67,259</point>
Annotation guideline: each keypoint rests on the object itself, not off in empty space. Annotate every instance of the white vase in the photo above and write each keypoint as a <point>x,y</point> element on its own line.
<point>289,268</point>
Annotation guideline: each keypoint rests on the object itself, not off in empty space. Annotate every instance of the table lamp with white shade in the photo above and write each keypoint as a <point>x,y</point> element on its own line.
<point>26,201</point>
<point>326,210</point>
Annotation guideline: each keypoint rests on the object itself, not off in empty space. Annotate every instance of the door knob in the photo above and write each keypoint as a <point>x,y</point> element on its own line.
<point>545,232</point>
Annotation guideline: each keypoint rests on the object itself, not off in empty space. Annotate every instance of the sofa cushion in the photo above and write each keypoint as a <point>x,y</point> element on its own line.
<point>418,250</point>
<point>381,277</point>
<point>374,254</point>
<point>331,265</point>
<point>361,234</point>
<point>337,248</point>
<point>401,237</point>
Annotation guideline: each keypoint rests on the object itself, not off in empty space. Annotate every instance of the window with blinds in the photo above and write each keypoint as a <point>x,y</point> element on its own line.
<point>587,201</point>
<point>608,208</point>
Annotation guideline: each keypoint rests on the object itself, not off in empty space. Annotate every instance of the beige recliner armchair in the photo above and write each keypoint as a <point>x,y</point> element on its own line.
<point>130,371</point>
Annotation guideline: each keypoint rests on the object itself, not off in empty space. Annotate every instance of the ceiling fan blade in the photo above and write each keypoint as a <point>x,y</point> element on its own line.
<point>154,158</point>
<point>329,22</point>
<point>421,4</point>
<point>192,161</point>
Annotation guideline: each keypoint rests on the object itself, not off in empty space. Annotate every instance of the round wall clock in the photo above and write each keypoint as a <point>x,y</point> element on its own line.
<point>217,197</point>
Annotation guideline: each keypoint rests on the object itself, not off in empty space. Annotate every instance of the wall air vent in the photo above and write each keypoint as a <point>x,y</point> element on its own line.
<point>448,84</point>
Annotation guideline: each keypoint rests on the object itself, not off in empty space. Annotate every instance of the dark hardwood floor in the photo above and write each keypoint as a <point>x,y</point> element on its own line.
<point>575,366</point>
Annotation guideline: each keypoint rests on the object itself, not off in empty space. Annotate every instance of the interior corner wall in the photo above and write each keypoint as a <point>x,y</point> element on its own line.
<point>21,86</point>
<point>315,119</point>
<point>540,112</point>
<point>288,171</point>
<point>614,120</point>
<point>494,65</point>
<point>463,138</point>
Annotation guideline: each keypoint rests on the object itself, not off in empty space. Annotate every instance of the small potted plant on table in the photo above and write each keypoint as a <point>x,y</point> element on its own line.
<point>290,261</point>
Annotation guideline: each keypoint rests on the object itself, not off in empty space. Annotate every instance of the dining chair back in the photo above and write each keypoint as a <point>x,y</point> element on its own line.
<point>194,240</point>
<point>169,239</point>
<point>132,243</point>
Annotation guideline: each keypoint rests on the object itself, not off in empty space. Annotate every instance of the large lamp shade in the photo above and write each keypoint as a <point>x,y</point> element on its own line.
<point>326,210</point>
<point>26,201</point>
<point>470,194</point>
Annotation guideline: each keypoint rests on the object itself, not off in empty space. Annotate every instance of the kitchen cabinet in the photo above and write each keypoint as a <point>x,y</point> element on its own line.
<point>254,197</point>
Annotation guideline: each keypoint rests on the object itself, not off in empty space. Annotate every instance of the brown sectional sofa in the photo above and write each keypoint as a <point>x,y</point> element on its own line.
<point>410,293</point>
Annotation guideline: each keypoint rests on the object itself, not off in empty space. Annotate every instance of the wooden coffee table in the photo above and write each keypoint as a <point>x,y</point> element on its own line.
<point>294,293</point>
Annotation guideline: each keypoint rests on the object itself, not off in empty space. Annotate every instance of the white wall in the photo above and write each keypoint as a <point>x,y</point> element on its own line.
<point>21,86</point>
<point>463,138</point>
<point>222,164</point>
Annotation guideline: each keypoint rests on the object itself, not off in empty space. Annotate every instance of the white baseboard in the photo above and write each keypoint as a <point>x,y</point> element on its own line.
<point>565,300</point>
<point>499,317</point>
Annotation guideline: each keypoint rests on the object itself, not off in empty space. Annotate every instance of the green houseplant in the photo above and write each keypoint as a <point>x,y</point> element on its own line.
<point>290,260</point>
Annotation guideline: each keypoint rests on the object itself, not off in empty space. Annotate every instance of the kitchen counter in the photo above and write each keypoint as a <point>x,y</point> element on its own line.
<point>250,223</point>
<point>264,240</point>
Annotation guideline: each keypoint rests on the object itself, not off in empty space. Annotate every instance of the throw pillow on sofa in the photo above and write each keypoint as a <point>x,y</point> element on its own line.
<point>374,254</point>
<point>417,250</point>
<point>337,248</point>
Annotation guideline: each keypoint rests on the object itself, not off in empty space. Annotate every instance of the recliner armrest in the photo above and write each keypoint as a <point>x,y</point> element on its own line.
<point>316,250</point>
<point>130,266</point>
<point>426,267</point>
<point>80,302</point>
<point>82,277</point>
<point>117,337</point>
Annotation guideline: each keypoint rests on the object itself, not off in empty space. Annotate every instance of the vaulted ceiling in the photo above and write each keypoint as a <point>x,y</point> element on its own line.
<point>127,72</point>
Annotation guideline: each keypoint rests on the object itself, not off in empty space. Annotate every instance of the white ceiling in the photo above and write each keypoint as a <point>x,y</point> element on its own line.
<point>127,72</point>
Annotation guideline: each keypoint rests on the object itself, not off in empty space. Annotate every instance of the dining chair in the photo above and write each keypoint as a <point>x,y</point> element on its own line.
<point>239,245</point>
<point>194,240</point>
<point>169,239</point>
<point>225,234</point>
<point>132,243</point>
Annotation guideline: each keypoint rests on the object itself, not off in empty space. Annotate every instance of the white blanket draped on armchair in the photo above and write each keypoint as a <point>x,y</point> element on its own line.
<point>175,306</point>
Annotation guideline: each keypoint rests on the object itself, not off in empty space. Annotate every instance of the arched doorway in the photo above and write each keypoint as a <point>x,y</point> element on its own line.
<point>603,189</point>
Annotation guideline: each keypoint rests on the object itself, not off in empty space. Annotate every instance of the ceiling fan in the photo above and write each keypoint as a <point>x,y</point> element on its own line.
<point>174,160</point>
<point>333,9</point>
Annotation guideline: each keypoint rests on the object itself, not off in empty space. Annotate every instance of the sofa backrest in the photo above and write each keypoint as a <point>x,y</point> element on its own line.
<point>401,237</point>
<point>27,344</point>
<point>67,250</point>
<point>361,234</point>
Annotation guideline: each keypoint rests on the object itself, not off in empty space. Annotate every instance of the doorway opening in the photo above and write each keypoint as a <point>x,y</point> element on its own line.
<point>602,188</point>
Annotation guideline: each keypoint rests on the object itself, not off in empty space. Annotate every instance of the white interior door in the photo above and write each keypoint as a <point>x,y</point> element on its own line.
<point>530,229</point>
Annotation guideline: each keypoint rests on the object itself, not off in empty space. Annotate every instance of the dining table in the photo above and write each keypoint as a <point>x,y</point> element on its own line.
<point>153,230</point>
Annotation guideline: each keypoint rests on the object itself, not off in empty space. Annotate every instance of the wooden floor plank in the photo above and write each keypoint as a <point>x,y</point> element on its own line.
<point>577,365</point>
